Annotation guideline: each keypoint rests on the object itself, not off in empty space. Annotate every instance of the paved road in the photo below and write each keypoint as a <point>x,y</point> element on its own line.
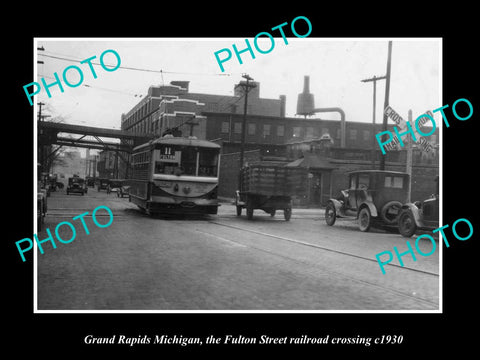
<point>224,262</point>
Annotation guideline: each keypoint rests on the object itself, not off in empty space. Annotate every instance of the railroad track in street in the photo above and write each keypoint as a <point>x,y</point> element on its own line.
<point>321,247</point>
<point>336,273</point>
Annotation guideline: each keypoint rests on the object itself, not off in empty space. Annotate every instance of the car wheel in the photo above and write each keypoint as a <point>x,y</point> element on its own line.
<point>406,223</point>
<point>364,219</point>
<point>330,214</point>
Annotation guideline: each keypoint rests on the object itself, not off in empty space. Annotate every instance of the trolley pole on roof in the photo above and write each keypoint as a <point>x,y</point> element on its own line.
<point>247,86</point>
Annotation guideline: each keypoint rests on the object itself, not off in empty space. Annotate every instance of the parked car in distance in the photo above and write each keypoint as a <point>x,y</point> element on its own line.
<point>102,184</point>
<point>76,185</point>
<point>419,215</point>
<point>120,187</point>
<point>90,181</point>
<point>374,197</point>
<point>41,206</point>
<point>116,184</point>
<point>124,189</point>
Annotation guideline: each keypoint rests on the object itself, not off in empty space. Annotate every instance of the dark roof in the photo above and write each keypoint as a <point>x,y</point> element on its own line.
<point>312,161</point>
<point>378,171</point>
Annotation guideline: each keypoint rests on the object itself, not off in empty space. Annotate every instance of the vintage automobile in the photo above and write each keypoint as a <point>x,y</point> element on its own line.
<point>374,197</point>
<point>90,181</point>
<point>123,188</point>
<point>41,206</point>
<point>76,185</point>
<point>119,186</point>
<point>419,215</point>
<point>102,184</point>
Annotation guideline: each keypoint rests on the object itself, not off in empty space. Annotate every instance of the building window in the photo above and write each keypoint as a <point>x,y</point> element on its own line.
<point>251,128</point>
<point>353,134</point>
<point>225,127</point>
<point>297,131</point>
<point>266,129</point>
<point>280,130</point>
<point>309,132</point>
<point>237,128</point>
<point>366,135</point>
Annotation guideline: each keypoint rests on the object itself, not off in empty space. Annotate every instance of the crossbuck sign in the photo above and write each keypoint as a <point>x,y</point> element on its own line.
<point>425,145</point>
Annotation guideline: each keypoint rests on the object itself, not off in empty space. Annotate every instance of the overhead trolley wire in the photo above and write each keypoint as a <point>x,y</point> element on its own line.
<point>161,71</point>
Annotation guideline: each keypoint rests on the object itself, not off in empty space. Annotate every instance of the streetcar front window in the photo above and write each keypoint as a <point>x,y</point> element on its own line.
<point>168,168</point>
<point>189,161</point>
<point>208,163</point>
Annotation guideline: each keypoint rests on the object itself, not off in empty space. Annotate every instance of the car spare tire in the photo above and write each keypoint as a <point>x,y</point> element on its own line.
<point>390,212</point>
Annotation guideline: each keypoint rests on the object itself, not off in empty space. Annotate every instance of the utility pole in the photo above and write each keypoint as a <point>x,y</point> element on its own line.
<point>386,103</point>
<point>374,80</point>
<point>247,88</point>
<point>40,104</point>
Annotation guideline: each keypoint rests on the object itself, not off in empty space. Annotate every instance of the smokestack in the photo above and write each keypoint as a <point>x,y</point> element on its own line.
<point>305,101</point>
<point>306,84</point>
<point>283,102</point>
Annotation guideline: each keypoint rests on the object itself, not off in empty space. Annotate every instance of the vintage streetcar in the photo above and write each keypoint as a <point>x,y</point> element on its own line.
<point>175,175</point>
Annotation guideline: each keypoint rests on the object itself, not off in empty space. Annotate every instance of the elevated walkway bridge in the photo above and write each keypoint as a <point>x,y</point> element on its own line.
<point>119,141</point>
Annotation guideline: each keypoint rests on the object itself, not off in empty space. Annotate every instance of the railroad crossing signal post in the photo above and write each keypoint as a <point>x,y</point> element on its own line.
<point>409,159</point>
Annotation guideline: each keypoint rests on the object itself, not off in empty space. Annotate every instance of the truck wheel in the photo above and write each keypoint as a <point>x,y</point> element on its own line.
<point>364,219</point>
<point>406,223</point>
<point>249,212</point>
<point>330,214</point>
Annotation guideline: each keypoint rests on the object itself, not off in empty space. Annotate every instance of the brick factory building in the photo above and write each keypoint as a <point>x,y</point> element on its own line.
<point>298,140</point>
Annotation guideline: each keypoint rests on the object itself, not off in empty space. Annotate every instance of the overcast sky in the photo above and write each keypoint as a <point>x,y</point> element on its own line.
<point>336,67</point>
